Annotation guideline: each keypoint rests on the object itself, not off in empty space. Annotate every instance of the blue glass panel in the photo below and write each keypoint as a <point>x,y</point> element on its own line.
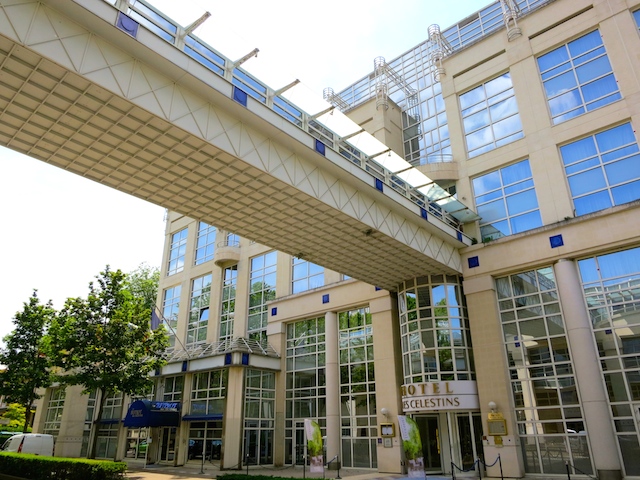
<point>250,81</point>
<point>516,172</point>
<point>603,101</point>
<point>498,85</point>
<point>636,16</point>
<point>472,97</point>
<point>580,166</point>
<point>477,120</point>
<point>588,56</point>
<point>205,61</point>
<point>619,153</point>
<point>493,211</point>
<point>479,138</point>
<point>556,71</point>
<point>578,150</point>
<point>626,193</point>
<point>525,222</point>
<point>593,69</point>
<point>560,84</point>
<point>568,115</point>
<point>623,170</point>
<point>495,230</point>
<point>522,202</point>
<point>517,187</point>
<point>619,264</point>
<point>315,269</point>
<point>588,270</point>
<point>486,183</point>
<point>615,137</point>
<point>565,102</point>
<point>553,58</point>
<point>592,203</point>
<point>299,271</point>
<point>503,109</point>
<point>599,88</point>
<point>585,43</point>
<point>481,150</point>
<point>588,181</point>
<point>507,128</point>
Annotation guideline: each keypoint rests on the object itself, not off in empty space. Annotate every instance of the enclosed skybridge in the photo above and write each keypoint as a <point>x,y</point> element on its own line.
<point>120,94</point>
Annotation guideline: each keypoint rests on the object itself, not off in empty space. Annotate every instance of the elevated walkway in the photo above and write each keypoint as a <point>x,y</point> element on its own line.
<point>149,110</point>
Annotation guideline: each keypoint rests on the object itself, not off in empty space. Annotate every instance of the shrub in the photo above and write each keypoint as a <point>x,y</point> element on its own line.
<point>57,468</point>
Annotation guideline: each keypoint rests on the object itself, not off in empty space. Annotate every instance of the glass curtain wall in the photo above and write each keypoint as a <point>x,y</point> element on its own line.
<point>259,416</point>
<point>357,389</point>
<point>170,310</point>
<point>611,285</point>
<point>548,412</point>
<point>434,330</point>
<point>305,394</point>
<point>88,421</point>
<point>262,286</point>
<point>55,407</point>
<point>109,425</point>
<point>199,310</point>
<point>208,393</point>
<point>228,307</point>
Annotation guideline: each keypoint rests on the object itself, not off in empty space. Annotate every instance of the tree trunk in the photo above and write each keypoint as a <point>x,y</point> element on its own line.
<point>27,416</point>
<point>95,426</point>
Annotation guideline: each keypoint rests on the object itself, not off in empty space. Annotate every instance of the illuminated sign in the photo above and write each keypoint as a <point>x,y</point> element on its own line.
<point>452,395</point>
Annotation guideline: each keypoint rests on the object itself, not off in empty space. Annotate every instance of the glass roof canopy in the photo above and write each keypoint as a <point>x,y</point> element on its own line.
<point>330,126</point>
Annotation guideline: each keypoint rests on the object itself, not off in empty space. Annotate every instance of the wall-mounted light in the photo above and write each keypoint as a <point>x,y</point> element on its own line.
<point>385,411</point>
<point>492,407</point>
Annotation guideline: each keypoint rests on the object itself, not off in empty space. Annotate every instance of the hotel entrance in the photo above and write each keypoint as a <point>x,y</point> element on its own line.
<point>450,437</point>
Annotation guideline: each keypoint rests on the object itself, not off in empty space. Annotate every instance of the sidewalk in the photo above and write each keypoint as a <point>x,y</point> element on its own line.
<point>138,471</point>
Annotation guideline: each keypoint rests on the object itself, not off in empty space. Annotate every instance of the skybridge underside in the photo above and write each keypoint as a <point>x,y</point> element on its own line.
<point>141,117</point>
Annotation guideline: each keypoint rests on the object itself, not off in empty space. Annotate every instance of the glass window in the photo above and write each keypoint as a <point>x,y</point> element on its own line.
<point>170,310</point>
<point>548,412</point>
<point>259,416</point>
<point>173,389</point>
<point>233,240</point>
<point>306,275</point>
<point>578,77</point>
<point>53,416</point>
<point>208,392</point>
<point>205,243</point>
<point>636,16</point>
<point>228,307</point>
<point>357,387</point>
<point>199,310</point>
<point>506,200</point>
<point>177,250</point>
<point>490,115</point>
<point>603,170</point>
<point>262,290</point>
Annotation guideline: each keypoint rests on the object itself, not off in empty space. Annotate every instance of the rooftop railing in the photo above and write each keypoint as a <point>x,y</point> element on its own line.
<point>441,204</point>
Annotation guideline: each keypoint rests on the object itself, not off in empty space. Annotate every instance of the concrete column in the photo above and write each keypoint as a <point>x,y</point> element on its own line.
<point>593,396</point>
<point>333,385</point>
<point>233,419</point>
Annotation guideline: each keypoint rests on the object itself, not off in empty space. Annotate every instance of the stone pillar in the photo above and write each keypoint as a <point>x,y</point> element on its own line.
<point>593,396</point>
<point>233,429</point>
<point>333,385</point>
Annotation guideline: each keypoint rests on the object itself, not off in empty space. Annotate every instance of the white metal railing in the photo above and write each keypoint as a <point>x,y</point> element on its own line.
<point>182,38</point>
<point>240,344</point>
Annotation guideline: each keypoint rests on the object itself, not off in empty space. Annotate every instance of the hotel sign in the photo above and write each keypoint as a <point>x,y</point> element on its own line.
<point>430,396</point>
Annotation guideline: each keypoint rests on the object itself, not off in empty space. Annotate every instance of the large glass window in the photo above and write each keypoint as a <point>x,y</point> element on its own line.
<point>636,16</point>
<point>262,290</point>
<point>205,243</point>
<point>228,307</point>
<point>578,77</point>
<point>490,115</point>
<point>506,201</point>
<point>199,310</point>
<point>173,387</point>
<point>108,426</point>
<point>170,310</point>
<point>548,412</point>
<point>611,285</point>
<point>357,389</point>
<point>208,393</point>
<point>205,438</point>
<point>177,250</point>
<point>53,416</point>
<point>305,394</point>
<point>306,275</point>
<point>603,170</point>
<point>434,330</point>
<point>259,416</point>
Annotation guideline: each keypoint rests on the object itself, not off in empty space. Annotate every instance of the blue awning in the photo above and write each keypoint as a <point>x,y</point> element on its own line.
<point>147,413</point>
<point>202,418</point>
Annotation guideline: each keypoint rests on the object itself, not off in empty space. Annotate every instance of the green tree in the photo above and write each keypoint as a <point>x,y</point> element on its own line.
<point>15,414</point>
<point>104,342</point>
<point>24,355</point>
<point>143,283</point>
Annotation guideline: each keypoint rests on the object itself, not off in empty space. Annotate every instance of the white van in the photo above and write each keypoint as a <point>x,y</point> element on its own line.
<point>34,443</point>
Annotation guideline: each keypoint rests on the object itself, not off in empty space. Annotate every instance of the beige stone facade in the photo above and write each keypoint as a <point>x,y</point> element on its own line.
<point>542,320</point>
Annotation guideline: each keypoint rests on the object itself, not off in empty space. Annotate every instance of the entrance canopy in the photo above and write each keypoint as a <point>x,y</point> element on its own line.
<point>147,413</point>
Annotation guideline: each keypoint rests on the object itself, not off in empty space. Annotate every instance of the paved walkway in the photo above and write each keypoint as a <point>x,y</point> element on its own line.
<point>138,471</point>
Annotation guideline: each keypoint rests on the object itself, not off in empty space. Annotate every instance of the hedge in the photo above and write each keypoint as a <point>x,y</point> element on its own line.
<point>58,468</point>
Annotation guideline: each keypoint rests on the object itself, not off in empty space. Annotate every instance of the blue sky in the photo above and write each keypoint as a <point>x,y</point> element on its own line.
<point>60,230</point>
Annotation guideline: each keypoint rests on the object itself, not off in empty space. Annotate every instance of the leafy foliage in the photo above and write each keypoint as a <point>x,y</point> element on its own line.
<point>143,283</point>
<point>104,342</point>
<point>35,466</point>
<point>27,365</point>
<point>16,415</point>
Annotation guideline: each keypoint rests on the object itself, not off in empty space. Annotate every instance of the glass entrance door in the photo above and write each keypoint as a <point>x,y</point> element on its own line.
<point>428,426</point>
<point>168,444</point>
